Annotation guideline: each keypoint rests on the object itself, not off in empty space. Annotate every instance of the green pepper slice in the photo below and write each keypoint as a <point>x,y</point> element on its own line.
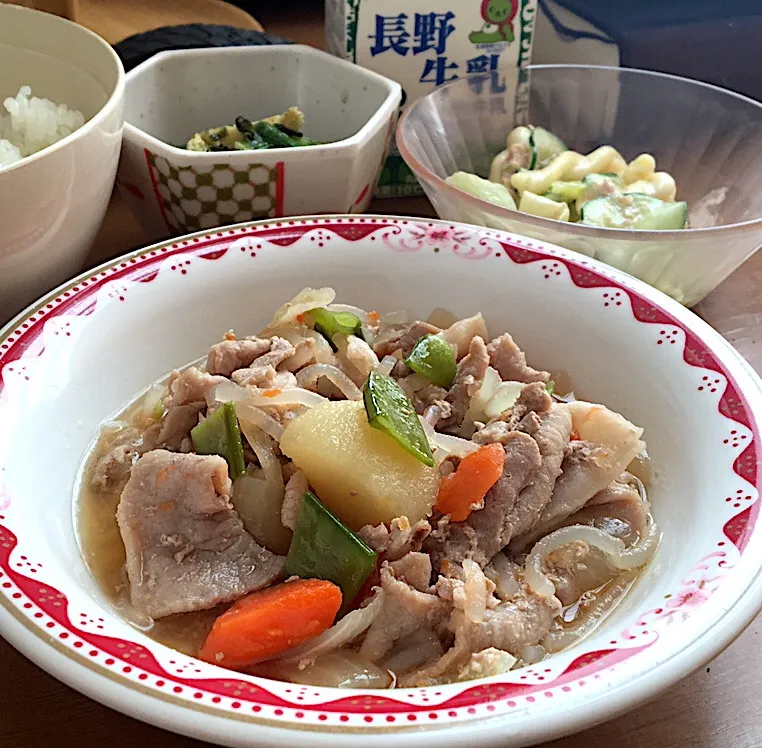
<point>219,435</point>
<point>551,387</point>
<point>433,358</point>
<point>329,323</point>
<point>390,410</point>
<point>323,547</point>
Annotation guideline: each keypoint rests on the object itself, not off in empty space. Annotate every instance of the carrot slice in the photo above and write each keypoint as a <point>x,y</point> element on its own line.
<point>468,485</point>
<point>265,623</point>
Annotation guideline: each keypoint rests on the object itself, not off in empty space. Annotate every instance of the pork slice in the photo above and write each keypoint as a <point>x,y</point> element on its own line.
<point>187,398</point>
<point>255,376</point>
<point>608,443</point>
<point>534,398</point>
<point>190,386</point>
<point>230,355</point>
<point>486,664</point>
<point>413,568</point>
<point>399,539</point>
<point>404,340</point>
<point>405,610</point>
<point>468,379</point>
<point>511,362</point>
<point>376,537</point>
<point>279,351</point>
<point>481,536</point>
<point>576,568</point>
<point>305,353</point>
<point>186,546</point>
<point>429,401</point>
<point>113,467</point>
<point>618,510</point>
<point>551,430</point>
<point>296,487</point>
<point>511,626</point>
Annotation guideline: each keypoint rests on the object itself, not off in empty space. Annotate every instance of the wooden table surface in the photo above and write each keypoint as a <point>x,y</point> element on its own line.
<point>716,707</point>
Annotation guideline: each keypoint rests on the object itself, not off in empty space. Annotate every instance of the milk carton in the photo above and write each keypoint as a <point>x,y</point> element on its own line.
<point>425,43</point>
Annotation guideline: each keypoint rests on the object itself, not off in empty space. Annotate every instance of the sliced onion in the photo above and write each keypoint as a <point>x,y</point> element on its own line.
<point>323,351</point>
<point>248,416</point>
<point>309,376</point>
<point>441,318</point>
<point>505,396</point>
<point>113,427</point>
<point>532,653</point>
<point>560,637</point>
<point>483,395</point>
<point>461,332</point>
<point>504,573</point>
<point>451,445</point>
<point>394,318</point>
<point>353,365</point>
<point>260,442</point>
<point>475,589</point>
<point>361,313</point>
<point>432,415</point>
<point>258,502</point>
<point>417,650</point>
<point>152,400</point>
<point>413,383</point>
<point>288,396</point>
<point>617,554</point>
<point>642,468</point>
<point>344,632</point>
<point>305,301</point>
<point>386,365</point>
<point>227,392</point>
<point>343,669</point>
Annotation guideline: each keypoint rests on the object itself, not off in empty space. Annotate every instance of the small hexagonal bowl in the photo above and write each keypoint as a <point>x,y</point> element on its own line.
<point>176,94</point>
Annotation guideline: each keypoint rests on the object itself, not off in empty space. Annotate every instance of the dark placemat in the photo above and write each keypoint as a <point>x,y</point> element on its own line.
<point>136,49</point>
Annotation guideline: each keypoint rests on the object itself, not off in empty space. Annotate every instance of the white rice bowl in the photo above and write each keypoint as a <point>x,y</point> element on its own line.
<point>32,124</point>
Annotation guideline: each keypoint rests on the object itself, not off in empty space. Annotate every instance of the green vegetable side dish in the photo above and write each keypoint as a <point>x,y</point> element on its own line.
<point>390,410</point>
<point>323,547</point>
<point>538,173</point>
<point>219,435</point>
<point>280,131</point>
<point>433,358</point>
<point>329,323</point>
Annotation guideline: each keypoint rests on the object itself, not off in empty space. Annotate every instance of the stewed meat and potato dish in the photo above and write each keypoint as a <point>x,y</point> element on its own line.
<point>353,498</point>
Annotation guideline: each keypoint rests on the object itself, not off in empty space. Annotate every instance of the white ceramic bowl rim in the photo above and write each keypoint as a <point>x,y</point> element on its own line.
<point>575,229</point>
<point>99,664</point>
<point>94,121</point>
<point>243,156</point>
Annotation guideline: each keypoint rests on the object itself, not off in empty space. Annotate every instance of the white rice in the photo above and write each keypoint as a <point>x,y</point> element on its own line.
<point>32,124</point>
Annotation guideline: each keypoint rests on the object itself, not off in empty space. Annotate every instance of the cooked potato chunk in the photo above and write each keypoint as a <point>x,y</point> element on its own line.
<point>359,472</point>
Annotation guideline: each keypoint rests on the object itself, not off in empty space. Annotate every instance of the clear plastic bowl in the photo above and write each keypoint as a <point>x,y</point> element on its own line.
<point>709,139</point>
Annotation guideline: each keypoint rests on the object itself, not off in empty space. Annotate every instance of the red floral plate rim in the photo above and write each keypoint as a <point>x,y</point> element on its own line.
<point>42,609</point>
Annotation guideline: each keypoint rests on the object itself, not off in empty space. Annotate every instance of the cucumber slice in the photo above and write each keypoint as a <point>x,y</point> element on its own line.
<point>565,192</point>
<point>492,192</point>
<point>634,210</point>
<point>546,146</point>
